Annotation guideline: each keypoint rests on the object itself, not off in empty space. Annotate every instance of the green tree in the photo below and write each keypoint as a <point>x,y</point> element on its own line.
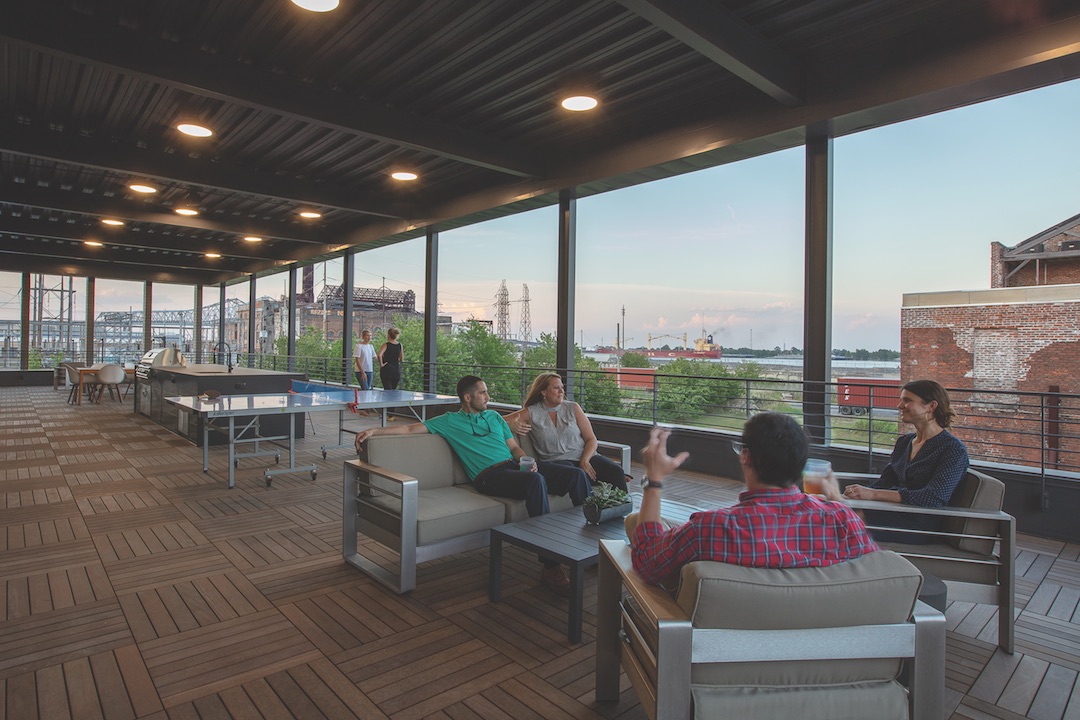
<point>594,389</point>
<point>634,360</point>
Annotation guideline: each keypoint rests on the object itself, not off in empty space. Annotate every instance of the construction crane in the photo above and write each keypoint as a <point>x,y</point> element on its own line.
<point>660,337</point>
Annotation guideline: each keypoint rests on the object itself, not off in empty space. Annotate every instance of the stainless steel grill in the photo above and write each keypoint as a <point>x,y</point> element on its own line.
<point>158,358</point>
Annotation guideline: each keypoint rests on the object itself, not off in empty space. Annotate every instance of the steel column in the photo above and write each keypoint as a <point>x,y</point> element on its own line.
<point>197,317</point>
<point>290,331</point>
<point>251,321</point>
<point>89,339</point>
<point>567,277</point>
<point>349,281</point>
<point>817,304</point>
<point>431,308</point>
<point>221,320</point>
<point>148,305</point>
<point>24,327</point>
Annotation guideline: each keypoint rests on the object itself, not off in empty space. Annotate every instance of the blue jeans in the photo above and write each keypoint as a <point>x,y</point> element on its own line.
<point>365,384</point>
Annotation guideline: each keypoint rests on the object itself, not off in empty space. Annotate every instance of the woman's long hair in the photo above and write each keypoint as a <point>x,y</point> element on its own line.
<point>539,385</point>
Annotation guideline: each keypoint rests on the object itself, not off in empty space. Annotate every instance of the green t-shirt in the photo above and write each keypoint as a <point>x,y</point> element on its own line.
<point>478,440</point>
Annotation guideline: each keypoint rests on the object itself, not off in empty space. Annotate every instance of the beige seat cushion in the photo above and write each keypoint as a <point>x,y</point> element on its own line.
<point>976,491</point>
<point>441,513</point>
<point>428,458</point>
<point>515,510</point>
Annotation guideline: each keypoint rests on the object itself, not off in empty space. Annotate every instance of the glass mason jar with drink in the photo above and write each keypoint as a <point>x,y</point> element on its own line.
<point>814,472</point>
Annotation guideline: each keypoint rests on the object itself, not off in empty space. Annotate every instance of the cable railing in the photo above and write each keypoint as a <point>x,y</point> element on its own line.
<point>1034,430</point>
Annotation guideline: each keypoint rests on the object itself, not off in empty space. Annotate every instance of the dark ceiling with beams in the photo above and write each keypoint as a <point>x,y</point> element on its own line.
<point>313,111</point>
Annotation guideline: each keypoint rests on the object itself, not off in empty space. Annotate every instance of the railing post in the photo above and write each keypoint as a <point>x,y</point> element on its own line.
<point>656,399</point>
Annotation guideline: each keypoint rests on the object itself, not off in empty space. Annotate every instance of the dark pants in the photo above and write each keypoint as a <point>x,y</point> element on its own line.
<point>390,374</point>
<point>607,470</point>
<point>506,480</point>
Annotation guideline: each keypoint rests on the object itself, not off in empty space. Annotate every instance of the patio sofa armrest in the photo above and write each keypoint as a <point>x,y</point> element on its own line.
<point>975,557</point>
<point>622,449</point>
<point>356,486</point>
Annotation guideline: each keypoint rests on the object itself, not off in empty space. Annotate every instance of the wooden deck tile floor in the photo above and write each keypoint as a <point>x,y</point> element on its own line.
<point>132,585</point>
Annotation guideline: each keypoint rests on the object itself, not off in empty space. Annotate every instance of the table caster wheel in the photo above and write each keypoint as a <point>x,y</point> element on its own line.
<point>324,454</point>
<point>269,479</point>
<point>314,474</point>
<point>277,458</point>
<point>236,463</point>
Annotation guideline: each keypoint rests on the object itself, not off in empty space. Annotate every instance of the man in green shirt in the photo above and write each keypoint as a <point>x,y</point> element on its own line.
<point>484,444</point>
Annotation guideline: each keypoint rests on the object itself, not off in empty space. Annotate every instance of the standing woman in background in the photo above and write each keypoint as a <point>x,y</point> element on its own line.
<point>390,357</point>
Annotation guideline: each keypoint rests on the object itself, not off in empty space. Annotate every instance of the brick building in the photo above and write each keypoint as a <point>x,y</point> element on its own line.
<point>1051,257</point>
<point>1021,339</point>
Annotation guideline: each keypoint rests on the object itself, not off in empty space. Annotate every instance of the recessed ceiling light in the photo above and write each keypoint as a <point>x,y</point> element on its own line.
<point>252,238</point>
<point>213,255</point>
<point>580,103</point>
<point>404,175</point>
<point>92,243</point>
<point>310,214</point>
<point>111,221</point>
<point>187,211</point>
<point>194,130</point>
<point>317,5</point>
<point>140,188</point>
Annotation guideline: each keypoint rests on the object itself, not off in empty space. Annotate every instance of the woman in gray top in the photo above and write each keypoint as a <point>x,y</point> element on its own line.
<point>561,433</point>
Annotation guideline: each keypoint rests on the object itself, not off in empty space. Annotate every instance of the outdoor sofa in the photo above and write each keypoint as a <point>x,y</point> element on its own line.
<point>410,494</point>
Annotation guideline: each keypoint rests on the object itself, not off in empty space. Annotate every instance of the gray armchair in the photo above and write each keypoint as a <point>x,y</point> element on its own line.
<point>974,553</point>
<point>762,643</point>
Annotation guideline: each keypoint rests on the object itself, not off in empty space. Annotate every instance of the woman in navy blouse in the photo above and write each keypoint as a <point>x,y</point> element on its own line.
<point>925,468</point>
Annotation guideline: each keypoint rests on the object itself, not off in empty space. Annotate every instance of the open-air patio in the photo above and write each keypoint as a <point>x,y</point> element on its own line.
<point>134,585</point>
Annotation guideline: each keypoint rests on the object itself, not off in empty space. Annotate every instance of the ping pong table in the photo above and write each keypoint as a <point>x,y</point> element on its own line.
<point>237,417</point>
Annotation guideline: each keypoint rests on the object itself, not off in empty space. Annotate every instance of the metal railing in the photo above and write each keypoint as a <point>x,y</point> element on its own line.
<point>1039,431</point>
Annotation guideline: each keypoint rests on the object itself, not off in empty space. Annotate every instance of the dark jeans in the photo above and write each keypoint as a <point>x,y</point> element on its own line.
<point>607,470</point>
<point>367,382</point>
<point>390,374</point>
<point>506,480</point>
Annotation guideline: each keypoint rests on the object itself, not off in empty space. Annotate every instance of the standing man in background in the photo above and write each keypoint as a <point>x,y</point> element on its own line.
<point>364,367</point>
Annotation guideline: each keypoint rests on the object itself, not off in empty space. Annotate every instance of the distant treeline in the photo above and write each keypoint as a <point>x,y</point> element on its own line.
<point>859,354</point>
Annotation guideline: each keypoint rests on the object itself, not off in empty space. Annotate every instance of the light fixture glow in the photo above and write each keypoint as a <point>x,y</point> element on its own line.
<point>310,214</point>
<point>404,175</point>
<point>140,188</point>
<point>252,239</point>
<point>580,103</point>
<point>111,221</point>
<point>213,255</point>
<point>92,243</point>
<point>194,130</point>
<point>317,5</point>
<point>186,211</point>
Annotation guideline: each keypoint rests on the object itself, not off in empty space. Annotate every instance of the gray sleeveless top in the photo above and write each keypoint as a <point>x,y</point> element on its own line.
<point>561,442</point>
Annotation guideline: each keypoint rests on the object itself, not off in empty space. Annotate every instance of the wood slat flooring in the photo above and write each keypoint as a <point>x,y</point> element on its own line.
<point>133,585</point>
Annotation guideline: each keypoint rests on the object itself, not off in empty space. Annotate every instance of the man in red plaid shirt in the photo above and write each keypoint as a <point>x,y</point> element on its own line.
<point>773,525</point>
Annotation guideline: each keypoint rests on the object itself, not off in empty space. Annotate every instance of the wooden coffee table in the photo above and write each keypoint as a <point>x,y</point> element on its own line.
<point>566,538</point>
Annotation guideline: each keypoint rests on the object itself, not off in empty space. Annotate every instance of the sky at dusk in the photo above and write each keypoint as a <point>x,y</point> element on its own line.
<point>916,206</point>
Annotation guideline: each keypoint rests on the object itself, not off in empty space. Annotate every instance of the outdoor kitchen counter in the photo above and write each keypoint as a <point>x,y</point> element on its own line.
<point>196,379</point>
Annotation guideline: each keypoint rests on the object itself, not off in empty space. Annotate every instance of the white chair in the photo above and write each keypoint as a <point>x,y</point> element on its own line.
<point>110,376</point>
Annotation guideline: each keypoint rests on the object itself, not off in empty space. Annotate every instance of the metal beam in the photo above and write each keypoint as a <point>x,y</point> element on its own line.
<point>91,301</point>
<point>65,147</point>
<point>24,324</point>
<point>139,54</point>
<point>349,281</point>
<point>148,259</point>
<point>725,39</point>
<point>21,262</point>
<point>148,315</point>
<point>97,206</point>
<point>118,238</point>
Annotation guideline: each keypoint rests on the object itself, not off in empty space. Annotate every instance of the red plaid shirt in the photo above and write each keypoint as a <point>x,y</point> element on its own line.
<point>774,528</point>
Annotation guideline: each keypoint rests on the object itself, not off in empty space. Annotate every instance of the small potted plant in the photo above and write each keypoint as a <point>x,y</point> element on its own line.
<point>607,502</point>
